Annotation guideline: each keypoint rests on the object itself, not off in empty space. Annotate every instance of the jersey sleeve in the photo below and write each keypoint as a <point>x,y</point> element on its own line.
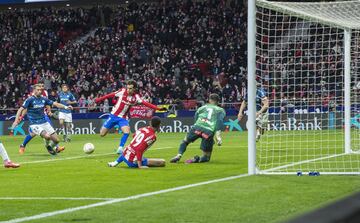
<point>139,100</point>
<point>48,102</point>
<point>27,102</point>
<point>220,120</point>
<point>72,98</point>
<point>119,92</point>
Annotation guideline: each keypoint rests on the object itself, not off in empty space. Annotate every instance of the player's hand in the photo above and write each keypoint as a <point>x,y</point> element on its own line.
<point>69,107</point>
<point>258,114</point>
<point>50,114</point>
<point>143,167</point>
<point>240,116</point>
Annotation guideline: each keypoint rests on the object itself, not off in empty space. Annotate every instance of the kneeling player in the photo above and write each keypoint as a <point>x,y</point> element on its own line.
<point>6,159</point>
<point>209,122</point>
<point>143,140</point>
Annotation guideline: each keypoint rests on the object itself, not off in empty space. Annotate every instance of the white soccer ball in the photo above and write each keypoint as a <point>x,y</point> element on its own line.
<point>88,148</point>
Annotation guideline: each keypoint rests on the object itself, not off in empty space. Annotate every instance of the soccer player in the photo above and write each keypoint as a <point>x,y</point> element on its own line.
<point>34,107</point>
<point>119,114</point>
<point>6,159</point>
<point>209,121</point>
<point>143,139</point>
<point>47,112</point>
<point>65,118</point>
<point>262,115</point>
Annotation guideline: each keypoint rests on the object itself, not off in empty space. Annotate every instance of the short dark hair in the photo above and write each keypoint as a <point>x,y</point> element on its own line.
<point>132,82</point>
<point>155,122</point>
<point>63,85</point>
<point>214,97</point>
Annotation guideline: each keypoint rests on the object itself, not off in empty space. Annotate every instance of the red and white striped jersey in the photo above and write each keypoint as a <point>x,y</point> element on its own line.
<point>124,103</point>
<point>142,140</point>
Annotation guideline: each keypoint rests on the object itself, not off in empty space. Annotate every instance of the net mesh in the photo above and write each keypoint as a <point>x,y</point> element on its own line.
<point>300,62</point>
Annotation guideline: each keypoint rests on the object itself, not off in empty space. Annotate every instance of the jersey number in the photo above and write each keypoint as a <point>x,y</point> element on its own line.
<point>210,111</point>
<point>138,139</point>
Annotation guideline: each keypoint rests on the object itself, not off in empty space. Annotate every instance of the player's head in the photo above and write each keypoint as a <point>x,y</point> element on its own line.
<point>64,87</point>
<point>41,84</point>
<point>214,99</point>
<point>131,86</point>
<point>37,90</point>
<point>155,123</point>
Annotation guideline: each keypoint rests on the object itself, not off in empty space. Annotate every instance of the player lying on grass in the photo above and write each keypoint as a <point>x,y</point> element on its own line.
<point>47,113</point>
<point>262,115</point>
<point>142,140</point>
<point>34,107</point>
<point>6,159</point>
<point>120,112</point>
<point>209,121</point>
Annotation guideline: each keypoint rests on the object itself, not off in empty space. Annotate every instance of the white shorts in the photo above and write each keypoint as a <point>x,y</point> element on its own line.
<point>39,128</point>
<point>67,117</point>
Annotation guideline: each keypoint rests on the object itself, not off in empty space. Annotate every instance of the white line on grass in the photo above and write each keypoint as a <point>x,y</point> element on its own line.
<point>57,198</point>
<point>80,157</point>
<point>301,162</point>
<point>118,200</point>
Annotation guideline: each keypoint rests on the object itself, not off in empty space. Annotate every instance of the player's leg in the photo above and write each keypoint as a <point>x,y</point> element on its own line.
<point>190,137</point>
<point>108,124</point>
<point>261,125</point>
<point>68,125</point>
<point>120,159</point>
<point>152,162</point>
<point>27,139</point>
<point>6,159</point>
<point>49,133</point>
<point>125,128</point>
<point>207,144</point>
<point>62,124</point>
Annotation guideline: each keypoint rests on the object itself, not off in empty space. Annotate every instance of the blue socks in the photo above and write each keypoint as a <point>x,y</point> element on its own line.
<point>27,139</point>
<point>123,139</point>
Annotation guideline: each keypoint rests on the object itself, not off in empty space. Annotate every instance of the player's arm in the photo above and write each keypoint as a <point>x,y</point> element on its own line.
<point>58,105</point>
<point>219,127</point>
<point>100,99</point>
<point>264,107</point>
<point>21,112</point>
<point>48,110</point>
<point>147,104</point>
<point>241,111</point>
<point>139,155</point>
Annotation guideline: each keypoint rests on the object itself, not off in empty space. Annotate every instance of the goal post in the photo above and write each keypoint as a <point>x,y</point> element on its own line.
<point>307,60</point>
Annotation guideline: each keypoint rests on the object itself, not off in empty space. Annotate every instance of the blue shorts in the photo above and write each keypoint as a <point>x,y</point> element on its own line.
<point>144,162</point>
<point>114,120</point>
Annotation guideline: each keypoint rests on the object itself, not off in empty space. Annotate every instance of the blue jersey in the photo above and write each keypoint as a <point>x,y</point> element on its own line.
<point>35,109</point>
<point>64,98</point>
<point>260,95</point>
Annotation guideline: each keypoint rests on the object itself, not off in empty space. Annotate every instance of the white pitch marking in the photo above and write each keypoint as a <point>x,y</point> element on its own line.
<point>56,198</point>
<point>118,200</point>
<point>300,162</point>
<point>80,157</point>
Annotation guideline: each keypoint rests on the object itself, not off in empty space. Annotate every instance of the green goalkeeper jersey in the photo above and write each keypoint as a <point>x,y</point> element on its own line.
<point>210,117</point>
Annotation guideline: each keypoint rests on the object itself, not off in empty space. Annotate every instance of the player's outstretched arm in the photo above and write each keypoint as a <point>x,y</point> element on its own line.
<point>58,105</point>
<point>100,99</point>
<point>149,105</point>
<point>241,111</point>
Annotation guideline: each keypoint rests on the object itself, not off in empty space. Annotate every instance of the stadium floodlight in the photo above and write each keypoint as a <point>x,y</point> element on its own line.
<point>307,55</point>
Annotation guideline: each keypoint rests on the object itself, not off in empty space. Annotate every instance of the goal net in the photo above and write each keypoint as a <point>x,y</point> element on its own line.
<point>308,62</point>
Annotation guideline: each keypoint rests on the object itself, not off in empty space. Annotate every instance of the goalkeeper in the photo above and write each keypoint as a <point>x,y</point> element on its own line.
<point>209,121</point>
<point>262,114</point>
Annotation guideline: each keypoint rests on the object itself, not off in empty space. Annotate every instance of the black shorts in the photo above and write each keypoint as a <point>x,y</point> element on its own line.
<point>207,138</point>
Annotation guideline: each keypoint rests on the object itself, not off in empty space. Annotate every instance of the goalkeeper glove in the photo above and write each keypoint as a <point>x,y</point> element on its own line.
<point>218,138</point>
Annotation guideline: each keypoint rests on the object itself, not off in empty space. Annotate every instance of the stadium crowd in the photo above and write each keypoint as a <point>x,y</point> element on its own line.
<point>175,51</point>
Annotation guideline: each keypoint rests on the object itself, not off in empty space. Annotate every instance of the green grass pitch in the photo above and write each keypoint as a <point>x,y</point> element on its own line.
<point>43,180</point>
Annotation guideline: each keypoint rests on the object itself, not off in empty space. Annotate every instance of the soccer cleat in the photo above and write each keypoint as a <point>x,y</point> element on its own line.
<point>22,149</point>
<point>176,159</point>
<point>9,164</point>
<point>196,159</point>
<point>113,164</point>
<point>50,150</point>
<point>59,149</point>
